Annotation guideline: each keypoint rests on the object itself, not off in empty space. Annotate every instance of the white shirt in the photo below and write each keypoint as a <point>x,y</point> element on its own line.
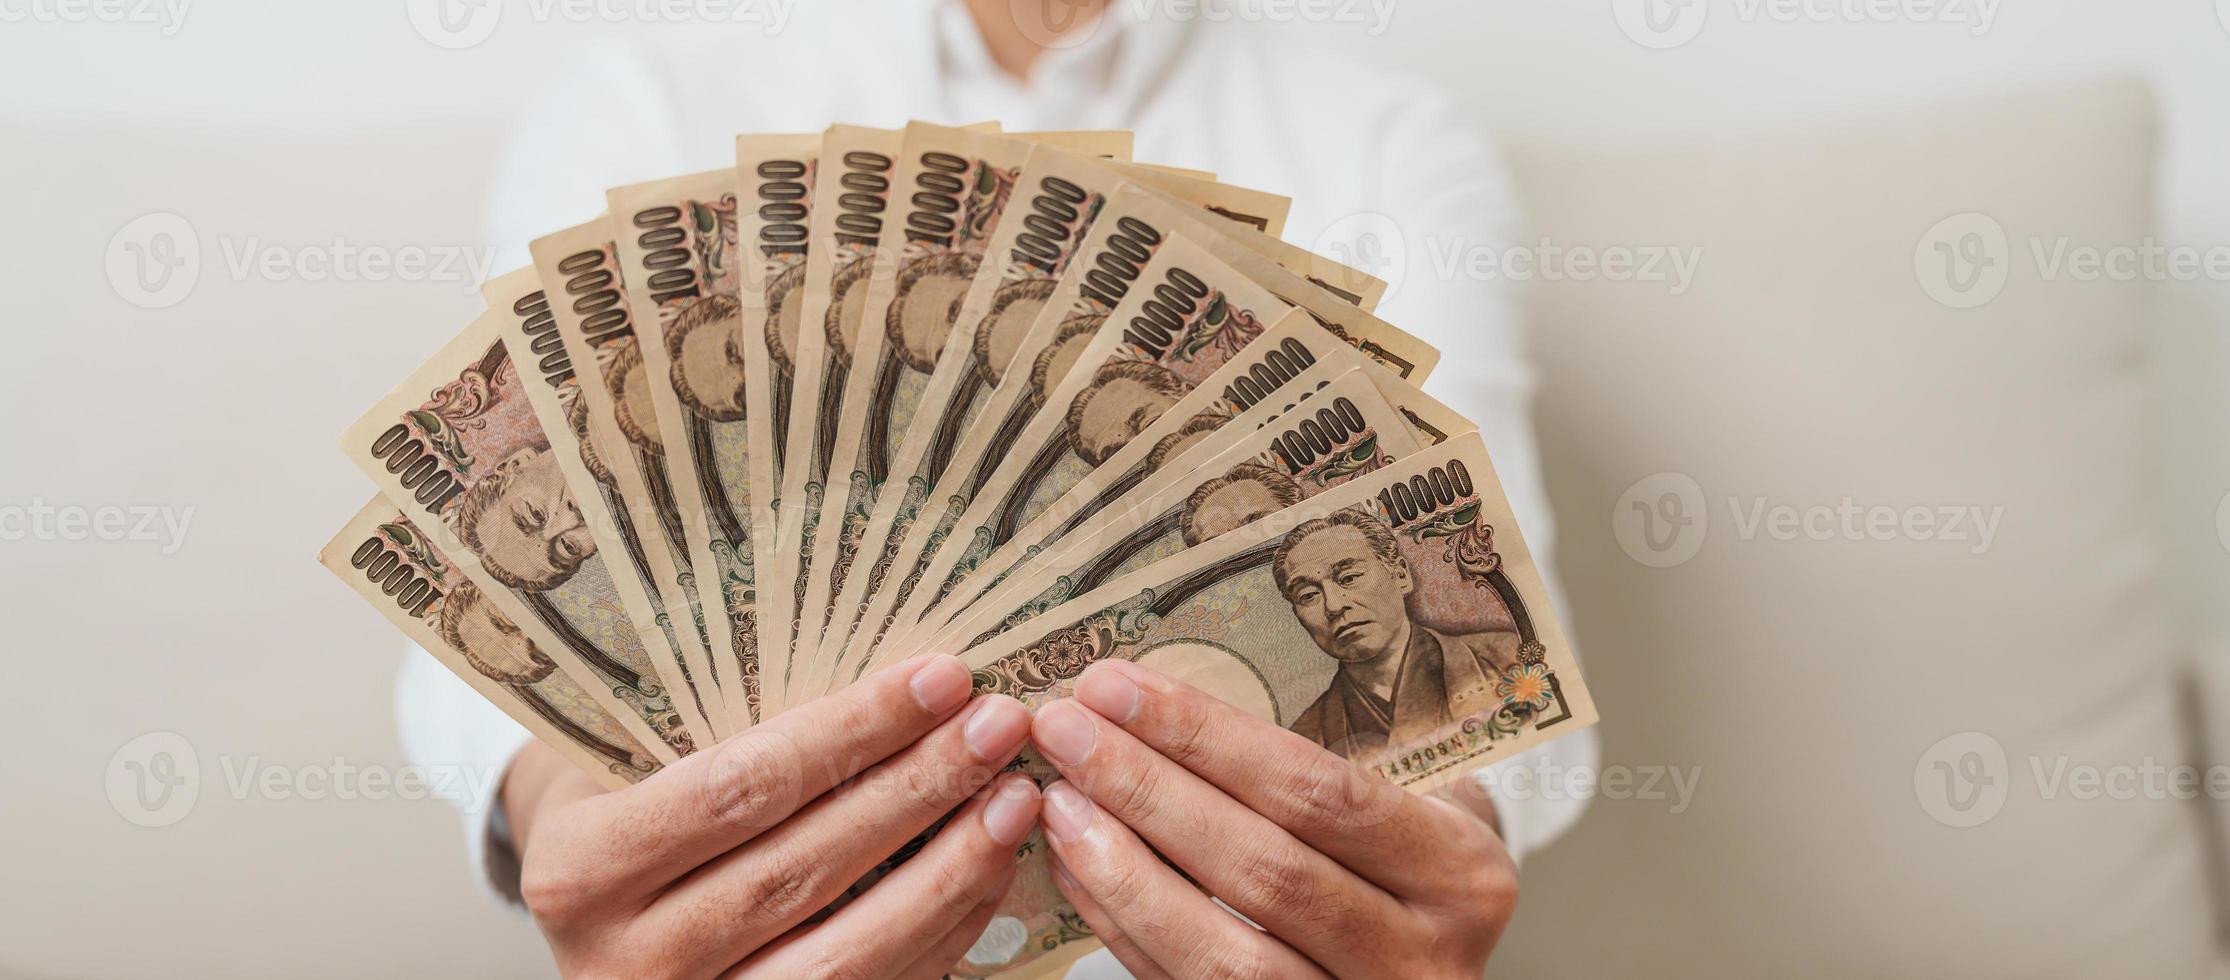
<point>1360,153</point>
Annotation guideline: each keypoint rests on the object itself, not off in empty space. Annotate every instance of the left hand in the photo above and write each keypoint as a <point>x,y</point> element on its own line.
<point>1346,873</point>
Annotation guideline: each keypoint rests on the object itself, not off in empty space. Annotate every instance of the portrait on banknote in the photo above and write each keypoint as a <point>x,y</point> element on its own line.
<point>1398,677</point>
<point>1382,619</point>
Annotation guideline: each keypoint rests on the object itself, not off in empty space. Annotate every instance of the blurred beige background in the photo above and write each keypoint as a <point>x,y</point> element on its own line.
<point>1809,681</point>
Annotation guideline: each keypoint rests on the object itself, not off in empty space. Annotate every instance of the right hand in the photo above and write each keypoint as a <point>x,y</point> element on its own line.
<point>711,867</point>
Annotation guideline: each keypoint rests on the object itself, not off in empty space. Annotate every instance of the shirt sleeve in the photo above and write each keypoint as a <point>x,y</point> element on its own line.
<point>446,727</point>
<point>1448,195</point>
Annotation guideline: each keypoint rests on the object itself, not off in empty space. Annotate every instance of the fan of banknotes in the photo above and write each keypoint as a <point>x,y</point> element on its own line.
<point>871,393</point>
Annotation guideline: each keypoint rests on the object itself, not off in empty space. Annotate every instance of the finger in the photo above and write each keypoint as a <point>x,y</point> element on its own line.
<point>1286,886</point>
<point>967,866</point>
<point>747,897</point>
<point>1395,839</point>
<point>943,957</point>
<point>1104,929</point>
<point>1159,913</point>
<point>643,838</point>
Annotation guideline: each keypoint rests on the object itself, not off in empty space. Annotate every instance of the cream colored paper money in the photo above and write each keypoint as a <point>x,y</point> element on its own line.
<point>580,272</point>
<point>952,187</point>
<point>1187,317</point>
<point>1188,314</point>
<point>1236,400</point>
<point>849,216</point>
<point>1313,436</point>
<point>1445,578</point>
<point>1135,222</point>
<point>1317,437</point>
<point>1074,431</point>
<point>775,182</point>
<point>394,566</point>
<point>553,389</point>
<point>678,255</point>
<point>458,449</point>
<point>1060,194</point>
<point>1397,619</point>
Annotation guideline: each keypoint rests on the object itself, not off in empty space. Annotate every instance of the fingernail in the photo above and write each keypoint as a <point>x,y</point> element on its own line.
<point>1106,690</point>
<point>940,685</point>
<point>1064,732</point>
<point>996,729</point>
<point>1013,808</point>
<point>1067,813</point>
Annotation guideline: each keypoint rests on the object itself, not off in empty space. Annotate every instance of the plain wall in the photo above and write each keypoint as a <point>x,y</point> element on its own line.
<point>228,404</point>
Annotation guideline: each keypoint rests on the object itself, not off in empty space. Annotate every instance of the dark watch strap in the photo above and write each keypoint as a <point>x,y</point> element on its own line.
<point>502,852</point>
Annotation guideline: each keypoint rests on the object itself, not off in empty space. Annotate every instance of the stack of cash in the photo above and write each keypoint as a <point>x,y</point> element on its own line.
<point>874,393</point>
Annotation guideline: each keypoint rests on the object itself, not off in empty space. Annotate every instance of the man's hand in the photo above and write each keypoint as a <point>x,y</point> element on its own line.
<point>710,867</point>
<point>1345,873</point>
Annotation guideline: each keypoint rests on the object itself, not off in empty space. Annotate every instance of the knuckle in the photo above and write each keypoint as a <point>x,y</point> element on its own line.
<point>853,718</point>
<point>752,785</point>
<point>829,961</point>
<point>1323,797</point>
<point>600,964</point>
<point>1187,735</point>
<point>1495,889</point>
<point>1120,884</point>
<point>557,892</point>
<point>1484,894</point>
<point>780,893</point>
<point>1132,792</point>
<point>1483,848</point>
<point>1275,885</point>
<point>1241,961</point>
<point>956,882</point>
